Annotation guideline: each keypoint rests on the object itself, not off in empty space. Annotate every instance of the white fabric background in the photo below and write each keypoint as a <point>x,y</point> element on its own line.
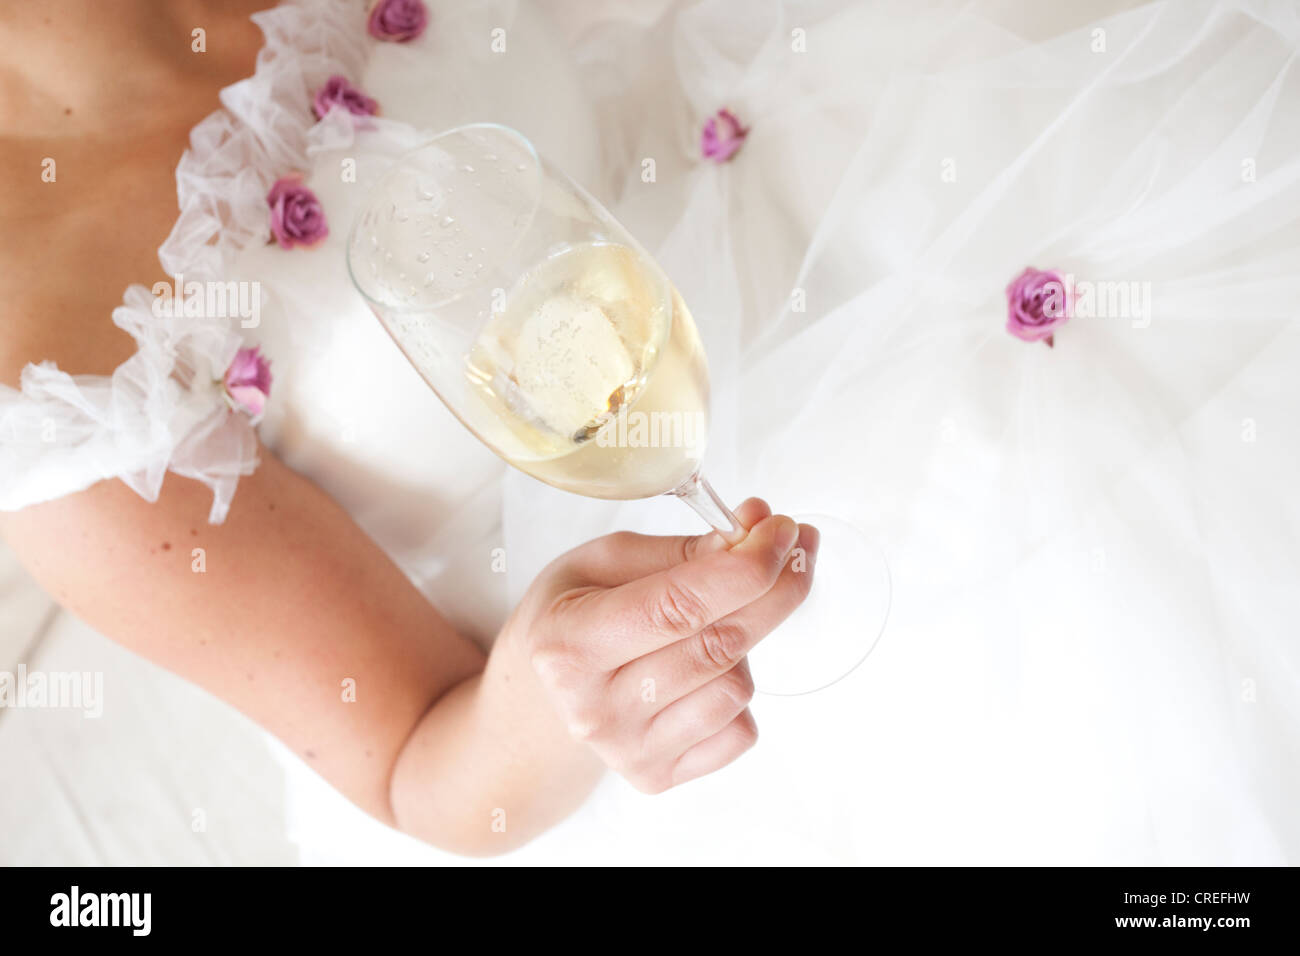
<point>1092,655</point>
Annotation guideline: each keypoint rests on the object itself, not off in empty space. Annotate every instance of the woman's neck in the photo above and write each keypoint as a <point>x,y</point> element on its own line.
<point>83,65</point>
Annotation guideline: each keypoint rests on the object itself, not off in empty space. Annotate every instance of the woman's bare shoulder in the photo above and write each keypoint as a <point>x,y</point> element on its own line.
<point>88,155</point>
<point>84,220</point>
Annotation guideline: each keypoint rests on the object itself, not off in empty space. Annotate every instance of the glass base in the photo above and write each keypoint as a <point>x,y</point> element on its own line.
<point>838,624</point>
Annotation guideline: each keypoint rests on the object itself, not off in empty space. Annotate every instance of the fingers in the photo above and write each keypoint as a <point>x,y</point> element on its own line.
<point>680,728</point>
<point>625,556</point>
<point>717,751</point>
<point>687,665</point>
<point>644,651</point>
<point>700,715</point>
<point>646,614</point>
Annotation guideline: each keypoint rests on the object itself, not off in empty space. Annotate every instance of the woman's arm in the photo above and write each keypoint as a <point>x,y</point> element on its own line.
<point>292,605</point>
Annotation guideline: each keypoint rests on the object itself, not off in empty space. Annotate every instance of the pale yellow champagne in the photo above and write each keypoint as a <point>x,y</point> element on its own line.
<point>591,376</point>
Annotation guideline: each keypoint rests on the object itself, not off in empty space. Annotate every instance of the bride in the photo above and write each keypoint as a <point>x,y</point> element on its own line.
<point>1087,512</point>
<point>282,605</point>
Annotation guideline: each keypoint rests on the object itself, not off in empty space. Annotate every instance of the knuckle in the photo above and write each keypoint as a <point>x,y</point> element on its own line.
<point>560,666</point>
<point>547,660</point>
<point>584,722</point>
<point>757,573</point>
<point>746,731</point>
<point>617,760</point>
<point>801,583</point>
<point>631,760</point>
<point>679,609</point>
<point>620,540</point>
<point>557,576</point>
<point>611,548</point>
<point>721,645</point>
<point>583,732</point>
<point>737,686</point>
<point>649,782</point>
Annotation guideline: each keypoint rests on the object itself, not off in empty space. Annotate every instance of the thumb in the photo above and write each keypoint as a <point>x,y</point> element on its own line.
<point>625,556</point>
<point>651,612</point>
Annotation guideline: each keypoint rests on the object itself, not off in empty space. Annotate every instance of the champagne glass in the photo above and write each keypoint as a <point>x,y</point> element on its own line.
<point>556,339</point>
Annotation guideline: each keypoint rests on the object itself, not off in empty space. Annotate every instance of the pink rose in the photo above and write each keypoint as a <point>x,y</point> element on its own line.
<point>1036,305</point>
<point>297,218</point>
<point>722,136</point>
<point>337,91</point>
<point>397,20</point>
<point>248,382</point>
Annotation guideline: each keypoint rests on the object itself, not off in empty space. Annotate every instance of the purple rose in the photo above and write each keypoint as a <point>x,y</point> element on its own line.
<point>1036,305</point>
<point>722,136</point>
<point>297,218</point>
<point>337,91</point>
<point>397,20</point>
<point>248,382</point>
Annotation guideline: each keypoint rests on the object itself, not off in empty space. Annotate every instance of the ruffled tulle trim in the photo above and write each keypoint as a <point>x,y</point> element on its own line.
<point>164,408</point>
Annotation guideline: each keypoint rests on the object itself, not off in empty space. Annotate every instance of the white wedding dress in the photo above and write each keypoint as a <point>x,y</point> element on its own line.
<point>1092,654</point>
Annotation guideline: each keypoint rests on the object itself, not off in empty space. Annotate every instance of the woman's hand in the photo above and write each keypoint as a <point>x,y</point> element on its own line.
<point>641,641</point>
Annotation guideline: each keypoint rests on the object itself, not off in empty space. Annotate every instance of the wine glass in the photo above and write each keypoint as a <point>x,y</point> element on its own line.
<point>560,343</point>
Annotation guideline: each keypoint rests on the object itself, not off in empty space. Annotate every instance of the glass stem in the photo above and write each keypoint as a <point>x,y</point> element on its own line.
<point>699,494</point>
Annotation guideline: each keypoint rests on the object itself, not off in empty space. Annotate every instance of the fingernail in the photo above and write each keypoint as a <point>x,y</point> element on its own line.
<point>787,533</point>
